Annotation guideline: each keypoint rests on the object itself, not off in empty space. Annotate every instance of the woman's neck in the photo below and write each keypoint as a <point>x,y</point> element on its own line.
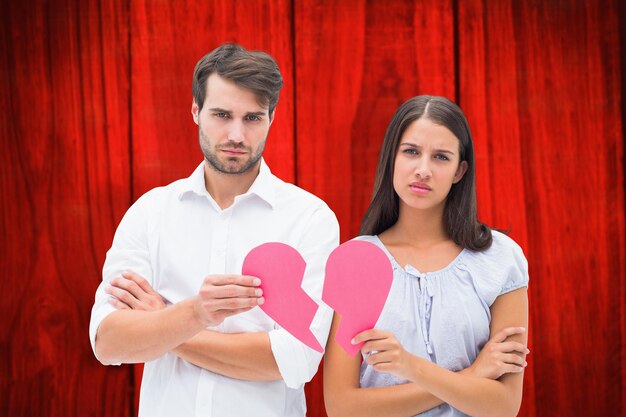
<point>420,227</point>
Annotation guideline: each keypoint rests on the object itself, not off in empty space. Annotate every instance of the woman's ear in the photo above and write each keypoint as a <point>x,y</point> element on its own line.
<point>460,171</point>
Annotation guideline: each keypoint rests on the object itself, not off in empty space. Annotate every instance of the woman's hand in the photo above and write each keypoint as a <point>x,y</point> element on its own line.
<point>384,353</point>
<point>499,357</point>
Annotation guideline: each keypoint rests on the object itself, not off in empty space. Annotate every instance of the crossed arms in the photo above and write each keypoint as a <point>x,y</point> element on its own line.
<point>491,385</point>
<point>144,329</point>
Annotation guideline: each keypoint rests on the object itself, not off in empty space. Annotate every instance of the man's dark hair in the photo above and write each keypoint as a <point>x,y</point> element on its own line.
<point>253,70</point>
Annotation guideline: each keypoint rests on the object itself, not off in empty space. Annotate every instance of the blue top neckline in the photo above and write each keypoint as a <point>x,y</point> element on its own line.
<point>410,267</point>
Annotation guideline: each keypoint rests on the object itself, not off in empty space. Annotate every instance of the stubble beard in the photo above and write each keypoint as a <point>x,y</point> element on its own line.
<point>224,167</point>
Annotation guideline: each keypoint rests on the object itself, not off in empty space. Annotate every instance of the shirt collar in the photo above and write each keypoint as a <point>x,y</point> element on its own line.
<point>262,186</point>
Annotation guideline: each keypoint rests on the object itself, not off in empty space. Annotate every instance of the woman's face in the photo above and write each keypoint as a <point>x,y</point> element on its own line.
<point>427,164</point>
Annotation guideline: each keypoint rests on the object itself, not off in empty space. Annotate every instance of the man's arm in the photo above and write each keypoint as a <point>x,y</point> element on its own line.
<point>134,335</point>
<point>246,356</point>
<point>259,356</point>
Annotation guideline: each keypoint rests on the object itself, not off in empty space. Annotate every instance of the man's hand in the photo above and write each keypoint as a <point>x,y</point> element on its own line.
<point>499,357</point>
<point>132,291</point>
<point>222,296</point>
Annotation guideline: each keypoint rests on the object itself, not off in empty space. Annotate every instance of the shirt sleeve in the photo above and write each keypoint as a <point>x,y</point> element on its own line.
<point>297,362</point>
<point>129,252</point>
<point>500,269</point>
<point>516,271</point>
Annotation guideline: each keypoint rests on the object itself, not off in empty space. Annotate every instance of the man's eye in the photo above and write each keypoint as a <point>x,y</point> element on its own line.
<point>220,114</point>
<point>254,118</point>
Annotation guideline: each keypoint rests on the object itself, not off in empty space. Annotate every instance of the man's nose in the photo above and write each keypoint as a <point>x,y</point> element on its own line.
<point>236,132</point>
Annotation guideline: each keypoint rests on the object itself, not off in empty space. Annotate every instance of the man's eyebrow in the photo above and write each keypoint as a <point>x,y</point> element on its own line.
<point>256,113</point>
<point>219,110</point>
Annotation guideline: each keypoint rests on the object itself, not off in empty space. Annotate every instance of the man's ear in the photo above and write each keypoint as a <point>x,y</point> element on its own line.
<point>460,171</point>
<point>195,111</point>
<point>272,116</point>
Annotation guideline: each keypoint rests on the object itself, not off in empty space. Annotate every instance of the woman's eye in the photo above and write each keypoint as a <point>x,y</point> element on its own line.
<point>442,157</point>
<point>410,151</point>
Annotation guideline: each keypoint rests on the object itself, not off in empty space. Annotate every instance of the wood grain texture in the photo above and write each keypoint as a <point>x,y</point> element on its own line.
<point>541,88</point>
<point>488,94</point>
<point>65,176</point>
<point>168,38</point>
<point>95,112</point>
<point>356,62</point>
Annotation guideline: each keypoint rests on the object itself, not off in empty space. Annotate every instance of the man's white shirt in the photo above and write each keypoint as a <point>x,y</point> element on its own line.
<point>175,236</point>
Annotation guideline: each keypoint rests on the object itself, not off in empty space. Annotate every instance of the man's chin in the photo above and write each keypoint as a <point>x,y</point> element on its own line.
<point>232,166</point>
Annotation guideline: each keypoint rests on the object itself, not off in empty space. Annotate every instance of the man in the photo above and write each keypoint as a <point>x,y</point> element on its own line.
<point>172,295</point>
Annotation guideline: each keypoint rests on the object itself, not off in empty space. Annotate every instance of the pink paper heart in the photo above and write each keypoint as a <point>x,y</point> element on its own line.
<point>357,283</point>
<point>281,270</point>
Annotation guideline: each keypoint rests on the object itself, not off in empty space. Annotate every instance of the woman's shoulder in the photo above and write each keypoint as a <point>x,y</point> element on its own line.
<point>502,245</point>
<point>368,238</point>
<point>498,269</point>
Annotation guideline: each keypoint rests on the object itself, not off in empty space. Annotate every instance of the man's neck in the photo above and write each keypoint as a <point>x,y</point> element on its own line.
<point>225,187</point>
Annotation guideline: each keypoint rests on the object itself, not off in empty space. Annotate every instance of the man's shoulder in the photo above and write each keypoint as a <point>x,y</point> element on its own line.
<point>291,193</point>
<point>160,194</point>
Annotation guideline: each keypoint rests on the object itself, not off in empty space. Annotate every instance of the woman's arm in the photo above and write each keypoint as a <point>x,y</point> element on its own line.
<point>469,394</point>
<point>344,397</point>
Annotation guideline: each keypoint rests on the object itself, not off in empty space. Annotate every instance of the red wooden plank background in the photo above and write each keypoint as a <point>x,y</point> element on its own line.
<point>95,111</point>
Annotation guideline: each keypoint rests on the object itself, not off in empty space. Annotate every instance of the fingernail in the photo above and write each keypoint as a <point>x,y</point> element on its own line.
<point>527,351</point>
<point>353,341</point>
<point>258,292</point>
<point>523,329</point>
<point>256,282</point>
<point>525,363</point>
<point>261,300</point>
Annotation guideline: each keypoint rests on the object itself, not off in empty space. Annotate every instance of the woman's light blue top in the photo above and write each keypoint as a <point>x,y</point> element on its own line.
<point>444,316</point>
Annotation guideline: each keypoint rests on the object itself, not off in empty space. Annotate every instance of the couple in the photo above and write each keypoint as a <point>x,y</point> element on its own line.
<point>450,341</point>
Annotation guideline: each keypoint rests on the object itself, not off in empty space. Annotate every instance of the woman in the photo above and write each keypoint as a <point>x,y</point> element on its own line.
<point>455,283</point>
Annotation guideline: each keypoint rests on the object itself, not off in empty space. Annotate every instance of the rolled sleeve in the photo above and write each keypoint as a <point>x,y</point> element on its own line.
<point>129,252</point>
<point>297,362</point>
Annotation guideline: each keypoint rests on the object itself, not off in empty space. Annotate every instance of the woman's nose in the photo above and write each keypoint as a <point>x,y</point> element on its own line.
<point>422,169</point>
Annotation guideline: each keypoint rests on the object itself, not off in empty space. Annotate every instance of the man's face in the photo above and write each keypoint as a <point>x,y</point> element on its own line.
<point>232,126</point>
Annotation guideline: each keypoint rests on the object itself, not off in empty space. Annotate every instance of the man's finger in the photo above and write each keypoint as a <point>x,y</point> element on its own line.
<point>229,291</point>
<point>118,304</point>
<point>232,303</point>
<point>231,279</point>
<point>122,295</point>
<point>140,281</point>
<point>129,286</point>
